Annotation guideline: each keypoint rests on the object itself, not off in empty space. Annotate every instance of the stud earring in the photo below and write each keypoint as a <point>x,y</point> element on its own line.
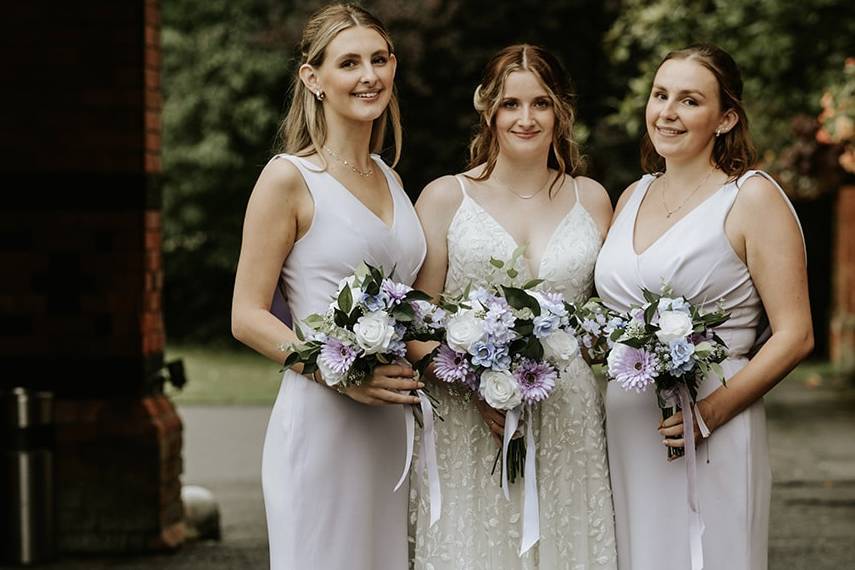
<point>320,95</point>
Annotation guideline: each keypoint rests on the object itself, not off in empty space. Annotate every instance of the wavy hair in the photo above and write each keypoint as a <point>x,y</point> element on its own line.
<point>564,154</point>
<point>304,129</point>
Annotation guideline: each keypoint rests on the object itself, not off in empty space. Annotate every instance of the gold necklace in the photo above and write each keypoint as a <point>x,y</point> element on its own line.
<point>527,196</point>
<point>668,211</point>
<point>350,165</point>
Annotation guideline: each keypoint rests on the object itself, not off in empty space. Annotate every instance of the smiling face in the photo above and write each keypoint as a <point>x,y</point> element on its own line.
<point>525,117</point>
<point>684,110</point>
<point>357,74</point>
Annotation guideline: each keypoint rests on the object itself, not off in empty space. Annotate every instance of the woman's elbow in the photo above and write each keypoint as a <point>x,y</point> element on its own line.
<point>804,343</point>
<point>237,326</point>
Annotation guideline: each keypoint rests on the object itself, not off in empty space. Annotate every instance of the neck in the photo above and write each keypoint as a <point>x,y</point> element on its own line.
<point>684,174</point>
<point>523,175</point>
<point>349,139</point>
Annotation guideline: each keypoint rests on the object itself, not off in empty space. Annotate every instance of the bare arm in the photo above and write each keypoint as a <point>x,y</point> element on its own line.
<point>279,211</point>
<point>436,207</point>
<point>767,236</point>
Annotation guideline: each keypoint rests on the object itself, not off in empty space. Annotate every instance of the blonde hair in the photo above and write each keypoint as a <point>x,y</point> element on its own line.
<point>564,155</point>
<point>304,129</point>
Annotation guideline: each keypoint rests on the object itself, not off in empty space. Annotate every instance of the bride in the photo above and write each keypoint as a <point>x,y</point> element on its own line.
<point>519,191</point>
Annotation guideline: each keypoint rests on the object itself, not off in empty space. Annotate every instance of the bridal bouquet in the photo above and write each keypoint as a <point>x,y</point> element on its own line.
<point>366,325</point>
<point>508,344</point>
<point>670,344</point>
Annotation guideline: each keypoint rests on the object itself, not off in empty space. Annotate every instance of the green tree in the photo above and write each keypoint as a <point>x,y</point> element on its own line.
<point>787,50</point>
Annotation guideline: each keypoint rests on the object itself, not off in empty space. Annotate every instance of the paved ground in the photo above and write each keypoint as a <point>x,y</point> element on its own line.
<point>812,442</point>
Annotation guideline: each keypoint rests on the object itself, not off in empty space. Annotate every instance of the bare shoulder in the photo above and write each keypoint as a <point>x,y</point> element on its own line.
<point>281,178</point>
<point>441,194</point>
<point>593,194</point>
<point>760,201</point>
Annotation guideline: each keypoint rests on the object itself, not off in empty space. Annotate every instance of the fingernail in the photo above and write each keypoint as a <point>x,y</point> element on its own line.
<point>421,384</point>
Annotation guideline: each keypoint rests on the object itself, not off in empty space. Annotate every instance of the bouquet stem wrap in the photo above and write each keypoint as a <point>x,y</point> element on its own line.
<point>427,455</point>
<point>531,506</point>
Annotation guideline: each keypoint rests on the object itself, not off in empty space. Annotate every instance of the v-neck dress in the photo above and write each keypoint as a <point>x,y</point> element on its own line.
<point>330,464</point>
<point>479,528</point>
<point>695,257</point>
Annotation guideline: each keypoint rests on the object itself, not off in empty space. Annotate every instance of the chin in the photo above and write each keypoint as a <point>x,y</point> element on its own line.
<point>363,112</point>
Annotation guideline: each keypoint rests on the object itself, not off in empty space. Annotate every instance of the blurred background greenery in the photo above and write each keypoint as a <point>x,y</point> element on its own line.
<point>227,67</point>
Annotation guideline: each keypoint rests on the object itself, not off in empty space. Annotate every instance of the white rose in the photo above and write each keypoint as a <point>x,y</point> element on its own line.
<point>500,390</point>
<point>374,332</point>
<point>560,347</point>
<point>463,330</point>
<point>330,376</point>
<point>673,325</point>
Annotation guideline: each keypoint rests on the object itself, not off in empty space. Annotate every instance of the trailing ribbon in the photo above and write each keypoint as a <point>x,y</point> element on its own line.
<point>696,523</point>
<point>531,507</point>
<point>512,420</point>
<point>427,455</point>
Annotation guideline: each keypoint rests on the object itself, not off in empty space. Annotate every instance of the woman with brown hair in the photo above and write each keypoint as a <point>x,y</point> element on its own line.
<point>716,232</point>
<point>331,459</point>
<point>522,188</point>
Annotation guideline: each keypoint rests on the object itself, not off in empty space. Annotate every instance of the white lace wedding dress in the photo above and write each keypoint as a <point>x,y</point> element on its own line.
<point>479,528</point>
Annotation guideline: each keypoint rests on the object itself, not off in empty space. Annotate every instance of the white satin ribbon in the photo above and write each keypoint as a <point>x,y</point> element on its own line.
<point>427,455</point>
<point>512,420</point>
<point>531,509</point>
<point>531,506</point>
<point>696,523</point>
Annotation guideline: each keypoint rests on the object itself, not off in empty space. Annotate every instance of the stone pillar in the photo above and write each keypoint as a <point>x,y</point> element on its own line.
<point>80,301</point>
<point>843,315</point>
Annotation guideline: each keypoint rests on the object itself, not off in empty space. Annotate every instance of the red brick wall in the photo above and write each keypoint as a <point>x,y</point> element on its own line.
<point>843,317</point>
<point>80,302</point>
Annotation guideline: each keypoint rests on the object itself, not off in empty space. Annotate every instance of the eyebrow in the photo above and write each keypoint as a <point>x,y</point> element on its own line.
<point>357,56</point>
<point>682,92</point>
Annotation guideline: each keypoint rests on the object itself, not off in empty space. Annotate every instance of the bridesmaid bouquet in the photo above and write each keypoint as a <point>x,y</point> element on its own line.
<point>670,344</point>
<point>367,324</point>
<point>594,324</point>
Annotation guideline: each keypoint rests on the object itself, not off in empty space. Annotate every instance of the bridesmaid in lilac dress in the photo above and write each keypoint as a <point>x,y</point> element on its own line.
<point>331,461</point>
<point>716,231</point>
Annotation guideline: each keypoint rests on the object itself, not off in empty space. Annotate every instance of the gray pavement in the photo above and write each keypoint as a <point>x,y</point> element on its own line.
<point>812,448</point>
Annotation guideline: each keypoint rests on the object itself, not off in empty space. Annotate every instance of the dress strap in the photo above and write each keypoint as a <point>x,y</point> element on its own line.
<point>459,178</point>
<point>576,189</point>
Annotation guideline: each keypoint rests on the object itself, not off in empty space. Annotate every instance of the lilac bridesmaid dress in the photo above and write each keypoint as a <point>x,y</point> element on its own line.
<point>734,481</point>
<point>330,464</point>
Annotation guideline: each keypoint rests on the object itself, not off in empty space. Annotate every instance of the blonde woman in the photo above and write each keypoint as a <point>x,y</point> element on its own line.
<point>521,188</point>
<point>331,460</point>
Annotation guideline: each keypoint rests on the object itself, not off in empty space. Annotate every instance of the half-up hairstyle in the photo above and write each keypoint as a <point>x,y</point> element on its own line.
<point>304,130</point>
<point>733,151</point>
<point>564,155</point>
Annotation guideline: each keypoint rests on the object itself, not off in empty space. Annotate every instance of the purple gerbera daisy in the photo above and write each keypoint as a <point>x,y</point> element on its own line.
<point>338,356</point>
<point>536,380</point>
<point>396,291</point>
<point>632,368</point>
<point>450,366</point>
